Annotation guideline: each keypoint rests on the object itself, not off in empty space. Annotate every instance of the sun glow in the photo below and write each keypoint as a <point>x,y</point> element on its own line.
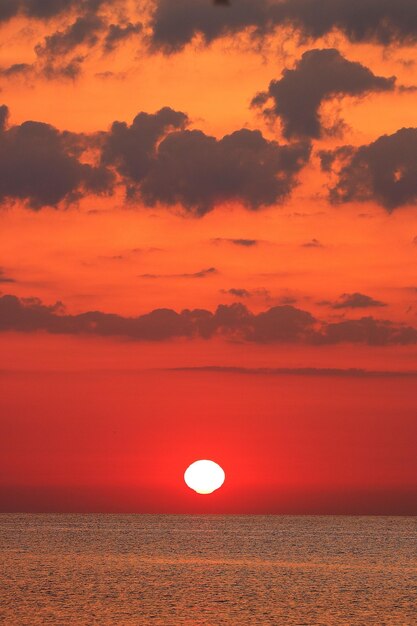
<point>204,476</point>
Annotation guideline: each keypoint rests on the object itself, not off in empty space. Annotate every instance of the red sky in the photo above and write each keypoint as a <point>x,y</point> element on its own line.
<point>295,214</point>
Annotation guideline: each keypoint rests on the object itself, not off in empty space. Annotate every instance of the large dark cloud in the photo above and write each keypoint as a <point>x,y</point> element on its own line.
<point>384,171</point>
<point>156,158</point>
<point>175,24</point>
<point>46,9</point>
<point>370,331</point>
<point>40,165</point>
<point>162,162</point>
<point>278,325</point>
<point>318,76</point>
<point>380,21</point>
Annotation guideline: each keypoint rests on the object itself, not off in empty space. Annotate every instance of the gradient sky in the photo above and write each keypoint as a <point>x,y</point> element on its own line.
<point>208,250</point>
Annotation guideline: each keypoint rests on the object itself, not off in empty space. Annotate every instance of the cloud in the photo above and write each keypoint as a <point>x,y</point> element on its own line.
<point>355,301</point>
<point>118,33</point>
<point>17,69</point>
<point>239,293</point>
<point>155,158</point>
<point>369,331</point>
<point>210,271</point>
<point>246,293</point>
<point>384,171</point>
<point>85,25</point>
<point>39,164</point>
<point>175,24</point>
<point>379,21</point>
<point>243,243</point>
<point>172,25</point>
<point>131,149</point>
<point>313,243</point>
<point>48,69</point>
<point>320,75</point>
<point>48,9</point>
<point>298,371</point>
<point>162,162</point>
<point>278,325</point>
<point>85,30</point>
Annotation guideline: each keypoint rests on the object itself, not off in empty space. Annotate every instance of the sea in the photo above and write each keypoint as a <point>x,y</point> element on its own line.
<point>209,570</point>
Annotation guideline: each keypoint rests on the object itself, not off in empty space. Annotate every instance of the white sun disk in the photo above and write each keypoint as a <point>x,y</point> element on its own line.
<point>204,476</point>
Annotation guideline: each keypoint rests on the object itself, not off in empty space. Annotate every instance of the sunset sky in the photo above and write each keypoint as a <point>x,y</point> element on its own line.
<point>208,250</point>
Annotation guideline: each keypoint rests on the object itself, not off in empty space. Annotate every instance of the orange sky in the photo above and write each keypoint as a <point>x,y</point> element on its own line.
<point>114,255</point>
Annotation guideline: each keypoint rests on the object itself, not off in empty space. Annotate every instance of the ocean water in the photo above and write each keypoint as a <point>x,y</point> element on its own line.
<point>207,570</point>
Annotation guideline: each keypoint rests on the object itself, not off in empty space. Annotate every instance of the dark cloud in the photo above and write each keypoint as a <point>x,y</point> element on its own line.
<point>320,75</point>
<point>283,324</point>
<point>198,172</point>
<point>355,301</point>
<point>47,9</point>
<point>155,158</point>
<point>241,243</point>
<point>313,243</point>
<point>162,162</point>
<point>40,165</point>
<point>86,26</point>
<point>210,271</point>
<point>245,243</point>
<point>298,371</point>
<point>380,21</point>
<point>131,149</point>
<point>175,24</point>
<point>4,116</point>
<point>67,70</point>
<point>369,331</point>
<point>85,30</point>
<point>384,171</point>
<point>120,32</point>
<point>239,293</point>
<point>277,325</point>
<point>17,69</point>
<point>49,68</point>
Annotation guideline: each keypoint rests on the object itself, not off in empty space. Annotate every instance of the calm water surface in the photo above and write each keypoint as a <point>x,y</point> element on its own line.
<point>207,570</point>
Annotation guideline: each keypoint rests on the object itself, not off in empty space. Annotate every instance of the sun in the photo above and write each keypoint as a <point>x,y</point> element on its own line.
<point>204,476</point>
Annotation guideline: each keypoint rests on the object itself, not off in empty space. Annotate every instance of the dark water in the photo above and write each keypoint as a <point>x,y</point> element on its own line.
<point>207,570</point>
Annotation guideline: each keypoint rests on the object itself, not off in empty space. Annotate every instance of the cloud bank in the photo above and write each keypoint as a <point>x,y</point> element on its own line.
<point>278,325</point>
<point>385,22</point>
